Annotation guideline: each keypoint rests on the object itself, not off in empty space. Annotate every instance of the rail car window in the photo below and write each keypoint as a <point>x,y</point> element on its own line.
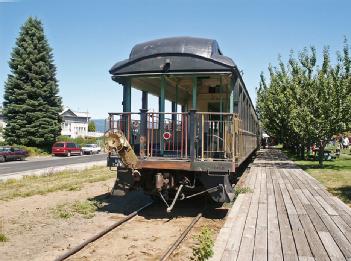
<point>214,89</point>
<point>214,107</point>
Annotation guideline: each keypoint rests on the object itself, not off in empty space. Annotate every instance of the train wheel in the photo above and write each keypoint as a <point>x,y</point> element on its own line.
<point>214,203</point>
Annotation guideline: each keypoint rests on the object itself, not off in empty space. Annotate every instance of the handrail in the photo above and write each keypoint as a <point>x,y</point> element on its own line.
<point>218,113</point>
<point>219,138</point>
<point>156,112</point>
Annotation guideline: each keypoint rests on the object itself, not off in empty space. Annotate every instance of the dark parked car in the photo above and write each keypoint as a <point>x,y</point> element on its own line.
<point>12,153</point>
<point>66,149</point>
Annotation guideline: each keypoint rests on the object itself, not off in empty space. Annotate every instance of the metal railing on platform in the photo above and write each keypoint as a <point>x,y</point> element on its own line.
<point>186,135</point>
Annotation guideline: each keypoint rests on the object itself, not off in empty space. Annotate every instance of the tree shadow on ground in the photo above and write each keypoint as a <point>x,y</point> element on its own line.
<point>326,166</point>
<point>343,192</point>
<point>282,165</point>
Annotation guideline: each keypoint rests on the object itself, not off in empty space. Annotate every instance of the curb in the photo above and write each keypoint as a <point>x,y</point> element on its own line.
<point>52,170</point>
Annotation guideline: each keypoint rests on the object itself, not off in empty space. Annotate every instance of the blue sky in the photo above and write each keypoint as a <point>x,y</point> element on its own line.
<point>88,37</point>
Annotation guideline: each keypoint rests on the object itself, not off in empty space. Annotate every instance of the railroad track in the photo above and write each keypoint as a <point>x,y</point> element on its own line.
<point>174,246</point>
<point>103,232</point>
<point>165,255</point>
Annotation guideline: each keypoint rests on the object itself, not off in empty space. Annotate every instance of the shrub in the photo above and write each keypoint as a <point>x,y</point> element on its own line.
<point>203,247</point>
<point>86,208</point>
<point>81,140</point>
<point>242,190</point>
<point>3,238</point>
<point>34,151</point>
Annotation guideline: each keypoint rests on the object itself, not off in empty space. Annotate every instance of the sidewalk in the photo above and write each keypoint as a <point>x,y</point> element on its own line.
<point>288,215</point>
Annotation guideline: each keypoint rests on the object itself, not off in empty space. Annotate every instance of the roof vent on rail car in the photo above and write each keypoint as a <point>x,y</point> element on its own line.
<point>176,45</point>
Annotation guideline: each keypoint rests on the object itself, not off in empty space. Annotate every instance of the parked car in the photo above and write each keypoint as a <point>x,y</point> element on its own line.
<point>66,149</point>
<point>12,153</point>
<point>91,149</point>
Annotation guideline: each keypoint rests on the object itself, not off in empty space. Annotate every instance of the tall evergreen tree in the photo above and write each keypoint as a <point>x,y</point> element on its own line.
<point>31,101</point>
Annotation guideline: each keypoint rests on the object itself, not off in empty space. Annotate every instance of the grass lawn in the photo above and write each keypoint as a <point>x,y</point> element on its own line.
<point>335,176</point>
<point>40,185</point>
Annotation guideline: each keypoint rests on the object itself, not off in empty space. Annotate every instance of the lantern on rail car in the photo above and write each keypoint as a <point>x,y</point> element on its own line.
<point>167,135</point>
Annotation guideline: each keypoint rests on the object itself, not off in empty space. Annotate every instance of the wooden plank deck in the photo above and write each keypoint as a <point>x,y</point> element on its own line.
<point>287,215</point>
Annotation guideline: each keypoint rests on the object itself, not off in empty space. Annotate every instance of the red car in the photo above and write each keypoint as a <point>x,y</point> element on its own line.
<point>66,149</point>
<point>12,153</point>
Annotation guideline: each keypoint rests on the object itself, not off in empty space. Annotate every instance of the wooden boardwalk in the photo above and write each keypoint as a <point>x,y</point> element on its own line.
<point>287,215</point>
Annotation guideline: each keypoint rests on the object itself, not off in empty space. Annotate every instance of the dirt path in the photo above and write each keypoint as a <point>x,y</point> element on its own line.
<point>35,233</point>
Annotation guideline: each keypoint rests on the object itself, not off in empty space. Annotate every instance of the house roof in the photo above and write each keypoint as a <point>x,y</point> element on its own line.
<point>82,114</point>
<point>75,113</point>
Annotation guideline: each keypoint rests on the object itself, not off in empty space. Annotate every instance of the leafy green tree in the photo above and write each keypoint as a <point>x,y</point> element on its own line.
<point>31,101</point>
<point>91,126</point>
<point>305,103</point>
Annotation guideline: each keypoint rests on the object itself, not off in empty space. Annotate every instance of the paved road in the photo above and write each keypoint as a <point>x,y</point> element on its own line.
<point>19,166</point>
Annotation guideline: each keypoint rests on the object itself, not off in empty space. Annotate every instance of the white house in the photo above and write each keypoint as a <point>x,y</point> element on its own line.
<point>74,124</point>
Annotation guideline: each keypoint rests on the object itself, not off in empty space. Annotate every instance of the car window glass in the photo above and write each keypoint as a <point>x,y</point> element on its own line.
<point>71,145</point>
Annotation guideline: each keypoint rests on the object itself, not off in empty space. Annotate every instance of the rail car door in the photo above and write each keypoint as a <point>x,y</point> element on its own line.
<point>214,140</point>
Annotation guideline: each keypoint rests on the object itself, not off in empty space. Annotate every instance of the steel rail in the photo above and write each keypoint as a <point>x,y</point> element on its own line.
<point>97,236</point>
<point>180,238</point>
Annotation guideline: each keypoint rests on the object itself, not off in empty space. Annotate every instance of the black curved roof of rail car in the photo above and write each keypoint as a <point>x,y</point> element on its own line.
<point>174,55</point>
